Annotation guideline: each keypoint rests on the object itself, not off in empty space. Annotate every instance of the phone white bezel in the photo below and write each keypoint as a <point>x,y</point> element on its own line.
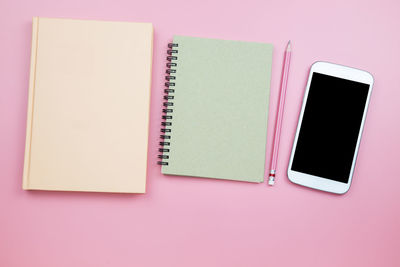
<point>339,71</point>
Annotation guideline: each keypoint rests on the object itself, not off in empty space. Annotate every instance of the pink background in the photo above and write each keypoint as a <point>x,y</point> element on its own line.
<point>201,222</point>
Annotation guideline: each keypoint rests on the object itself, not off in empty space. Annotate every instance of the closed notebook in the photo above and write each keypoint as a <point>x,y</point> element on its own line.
<point>88,110</point>
<point>216,109</point>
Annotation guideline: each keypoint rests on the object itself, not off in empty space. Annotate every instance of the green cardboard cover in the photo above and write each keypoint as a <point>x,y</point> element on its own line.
<point>220,109</point>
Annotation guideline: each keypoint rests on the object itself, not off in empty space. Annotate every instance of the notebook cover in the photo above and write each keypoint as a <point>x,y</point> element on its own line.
<point>220,109</point>
<point>88,107</point>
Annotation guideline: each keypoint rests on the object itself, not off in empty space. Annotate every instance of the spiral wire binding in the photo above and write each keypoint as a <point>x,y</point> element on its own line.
<point>168,104</point>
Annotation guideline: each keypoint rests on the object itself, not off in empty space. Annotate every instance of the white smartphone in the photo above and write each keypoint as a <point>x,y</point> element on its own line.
<point>330,125</point>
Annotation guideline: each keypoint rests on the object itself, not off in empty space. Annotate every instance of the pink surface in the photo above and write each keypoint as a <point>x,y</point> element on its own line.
<point>200,222</point>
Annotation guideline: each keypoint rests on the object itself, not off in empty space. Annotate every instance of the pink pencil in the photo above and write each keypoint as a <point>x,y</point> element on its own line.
<point>281,106</point>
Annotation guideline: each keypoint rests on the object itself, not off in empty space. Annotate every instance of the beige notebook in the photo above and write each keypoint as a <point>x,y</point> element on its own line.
<point>88,110</point>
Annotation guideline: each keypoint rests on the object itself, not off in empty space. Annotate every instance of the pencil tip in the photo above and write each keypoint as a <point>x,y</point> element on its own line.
<point>289,46</point>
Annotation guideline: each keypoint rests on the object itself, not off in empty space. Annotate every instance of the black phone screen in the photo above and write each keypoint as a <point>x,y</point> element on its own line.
<point>331,124</point>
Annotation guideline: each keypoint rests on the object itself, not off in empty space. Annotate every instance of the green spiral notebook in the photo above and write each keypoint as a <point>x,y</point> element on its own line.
<point>216,109</point>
